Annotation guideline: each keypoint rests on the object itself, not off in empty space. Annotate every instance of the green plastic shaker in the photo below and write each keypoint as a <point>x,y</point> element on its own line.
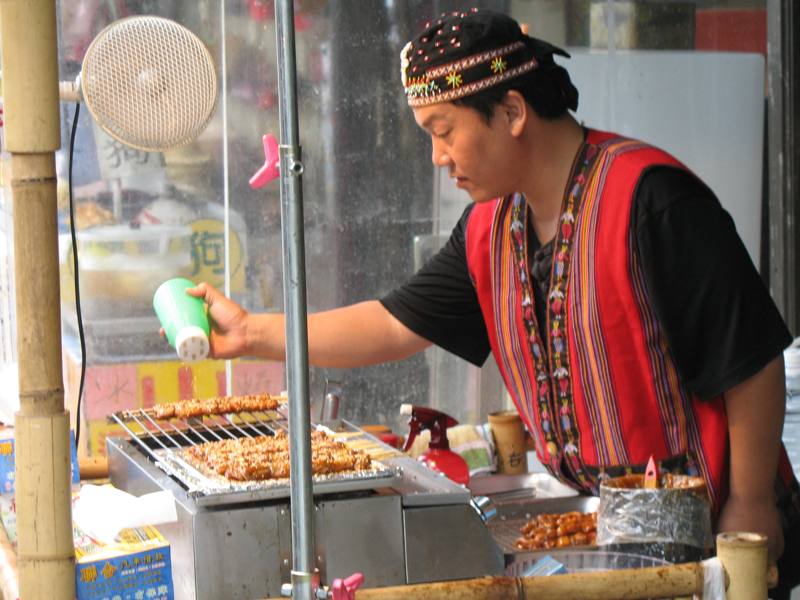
<point>183,318</point>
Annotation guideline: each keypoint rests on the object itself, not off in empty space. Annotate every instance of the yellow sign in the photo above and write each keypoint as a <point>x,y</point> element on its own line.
<point>208,254</point>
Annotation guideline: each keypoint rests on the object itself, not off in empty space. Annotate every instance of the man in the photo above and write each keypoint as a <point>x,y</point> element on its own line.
<point>622,309</point>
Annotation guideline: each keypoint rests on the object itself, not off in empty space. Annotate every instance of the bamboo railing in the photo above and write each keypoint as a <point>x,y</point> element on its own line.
<point>45,561</point>
<point>743,556</point>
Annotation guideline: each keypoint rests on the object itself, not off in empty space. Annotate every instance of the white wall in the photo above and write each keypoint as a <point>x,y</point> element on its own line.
<point>705,108</point>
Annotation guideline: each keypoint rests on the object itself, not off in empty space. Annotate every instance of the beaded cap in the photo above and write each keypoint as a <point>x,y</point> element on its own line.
<point>463,53</point>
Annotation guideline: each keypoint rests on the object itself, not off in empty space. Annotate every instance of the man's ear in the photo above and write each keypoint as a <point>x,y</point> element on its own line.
<point>515,112</point>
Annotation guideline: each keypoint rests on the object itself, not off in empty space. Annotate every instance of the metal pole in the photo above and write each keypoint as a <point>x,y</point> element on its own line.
<point>294,291</point>
<point>784,174</point>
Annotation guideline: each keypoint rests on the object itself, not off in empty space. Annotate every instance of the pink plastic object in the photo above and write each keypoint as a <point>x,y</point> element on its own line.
<point>651,474</point>
<point>346,589</point>
<point>271,159</point>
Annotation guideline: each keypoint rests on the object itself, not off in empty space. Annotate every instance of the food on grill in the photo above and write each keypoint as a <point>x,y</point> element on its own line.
<point>267,457</point>
<point>554,530</point>
<point>221,405</point>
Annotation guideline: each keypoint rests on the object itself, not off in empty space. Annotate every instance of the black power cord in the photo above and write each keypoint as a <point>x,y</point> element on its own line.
<point>76,274</point>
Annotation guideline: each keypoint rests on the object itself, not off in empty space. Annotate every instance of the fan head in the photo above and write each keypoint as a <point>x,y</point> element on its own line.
<point>149,83</point>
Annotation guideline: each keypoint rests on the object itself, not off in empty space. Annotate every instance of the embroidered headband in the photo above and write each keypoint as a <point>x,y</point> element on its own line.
<point>464,53</point>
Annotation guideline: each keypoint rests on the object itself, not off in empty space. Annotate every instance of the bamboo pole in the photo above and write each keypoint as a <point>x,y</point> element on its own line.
<point>625,584</point>
<point>744,556</point>
<point>30,95</point>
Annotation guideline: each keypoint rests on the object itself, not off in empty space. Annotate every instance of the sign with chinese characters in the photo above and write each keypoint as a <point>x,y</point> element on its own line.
<point>208,254</point>
<point>143,575</point>
<point>136,169</point>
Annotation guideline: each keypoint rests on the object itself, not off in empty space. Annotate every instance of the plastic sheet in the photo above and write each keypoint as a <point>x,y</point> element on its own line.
<point>103,510</point>
<point>713,579</point>
<point>671,522</point>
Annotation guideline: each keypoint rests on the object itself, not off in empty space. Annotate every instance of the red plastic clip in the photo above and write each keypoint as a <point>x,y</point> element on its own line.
<point>269,171</point>
<point>346,589</point>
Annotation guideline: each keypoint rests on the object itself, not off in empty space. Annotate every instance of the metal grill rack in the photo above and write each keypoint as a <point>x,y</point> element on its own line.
<point>513,515</point>
<point>164,441</point>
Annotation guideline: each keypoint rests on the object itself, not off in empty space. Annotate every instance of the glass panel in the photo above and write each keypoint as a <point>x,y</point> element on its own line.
<point>684,75</point>
<point>372,208</point>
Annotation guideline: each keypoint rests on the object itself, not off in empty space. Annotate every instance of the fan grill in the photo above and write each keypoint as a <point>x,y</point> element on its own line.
<point>149,83</point>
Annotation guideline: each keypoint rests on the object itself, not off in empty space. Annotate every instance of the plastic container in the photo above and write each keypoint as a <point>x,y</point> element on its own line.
<point>119,262</point>
<point>183,318</point>
<point>509,438</point>
<point>671,522</point>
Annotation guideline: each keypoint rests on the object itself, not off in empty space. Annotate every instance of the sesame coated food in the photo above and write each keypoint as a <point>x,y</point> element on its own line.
<point>267,457</point>
<point>185,409</point>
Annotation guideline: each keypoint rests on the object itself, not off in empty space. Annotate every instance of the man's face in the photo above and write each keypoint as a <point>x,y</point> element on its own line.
<point>474,152</point>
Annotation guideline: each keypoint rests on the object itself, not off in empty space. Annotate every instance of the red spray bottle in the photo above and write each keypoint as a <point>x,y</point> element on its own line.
<point>439,457</point>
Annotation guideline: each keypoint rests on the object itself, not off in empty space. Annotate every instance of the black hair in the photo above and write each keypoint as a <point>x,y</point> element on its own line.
<point>548,90</point>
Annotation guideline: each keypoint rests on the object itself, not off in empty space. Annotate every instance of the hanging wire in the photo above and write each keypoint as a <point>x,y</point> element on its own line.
<point>76,275</point>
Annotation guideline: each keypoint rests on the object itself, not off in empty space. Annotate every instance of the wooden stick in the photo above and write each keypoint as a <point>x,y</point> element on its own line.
<point>32,134</point>
<point>744,556</point>
<point>93,467</point>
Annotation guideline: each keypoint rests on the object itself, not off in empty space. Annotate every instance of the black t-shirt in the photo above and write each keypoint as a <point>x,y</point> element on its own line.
<point>717,315</point>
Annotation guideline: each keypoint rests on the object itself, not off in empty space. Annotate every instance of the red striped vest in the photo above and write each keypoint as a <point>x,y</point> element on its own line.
<point>602,392</point>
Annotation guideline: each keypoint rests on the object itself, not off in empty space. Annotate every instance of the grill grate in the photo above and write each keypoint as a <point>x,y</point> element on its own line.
<point>196,430</point>
<point>514,514</point>
<point>506,531</point>
<point>164,442</point>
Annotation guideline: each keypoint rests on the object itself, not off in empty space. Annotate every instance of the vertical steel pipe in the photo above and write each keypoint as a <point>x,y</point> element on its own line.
<point>783,133</point>
<point>30,94</point>
<point>294,292</point>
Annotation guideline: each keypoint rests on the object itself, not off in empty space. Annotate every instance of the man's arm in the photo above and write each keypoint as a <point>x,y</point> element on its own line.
<point>755,410</point>
<point>353,336</point>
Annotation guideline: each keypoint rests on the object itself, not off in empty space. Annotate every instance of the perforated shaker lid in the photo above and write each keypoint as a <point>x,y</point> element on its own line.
<point>192,344</point>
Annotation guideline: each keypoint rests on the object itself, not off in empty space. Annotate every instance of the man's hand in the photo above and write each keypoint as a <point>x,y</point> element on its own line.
<point>755,516</point>
<point>228,322</point>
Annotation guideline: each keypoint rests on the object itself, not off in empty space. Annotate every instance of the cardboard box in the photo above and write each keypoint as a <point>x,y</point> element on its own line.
<point>138,567</point>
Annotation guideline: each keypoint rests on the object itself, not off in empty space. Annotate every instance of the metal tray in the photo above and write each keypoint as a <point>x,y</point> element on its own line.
<point>512,515</point>
<point>526,486</point>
